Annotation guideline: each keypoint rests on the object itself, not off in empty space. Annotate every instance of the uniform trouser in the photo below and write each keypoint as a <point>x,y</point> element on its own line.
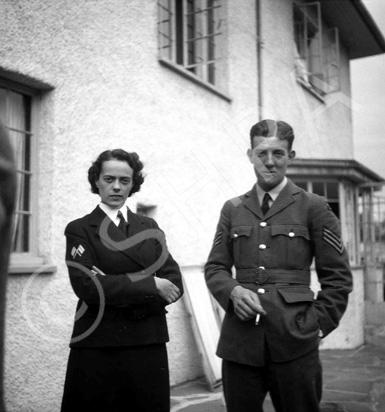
<point>294,386</point>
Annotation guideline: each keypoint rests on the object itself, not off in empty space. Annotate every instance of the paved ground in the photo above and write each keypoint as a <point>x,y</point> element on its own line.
<point>354,381</point>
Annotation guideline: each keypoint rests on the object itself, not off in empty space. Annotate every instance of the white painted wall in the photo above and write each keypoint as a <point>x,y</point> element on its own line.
<point>110,91</point>
<point>350,332</point>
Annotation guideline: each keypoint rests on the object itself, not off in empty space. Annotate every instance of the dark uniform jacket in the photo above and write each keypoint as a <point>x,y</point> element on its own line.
<point>121,308</point>
<point>271,255</point>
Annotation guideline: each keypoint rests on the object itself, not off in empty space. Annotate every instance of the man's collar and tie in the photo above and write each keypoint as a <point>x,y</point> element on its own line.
<point>266,199</point>
<point>265,203</point>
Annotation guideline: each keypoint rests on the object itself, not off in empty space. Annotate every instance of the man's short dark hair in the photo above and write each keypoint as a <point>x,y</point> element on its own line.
<point>119,154</point>
<point>273,128</point>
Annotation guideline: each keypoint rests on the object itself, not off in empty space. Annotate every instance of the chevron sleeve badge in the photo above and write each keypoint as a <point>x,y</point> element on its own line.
<point>217,239</point>
<point>333,240</point>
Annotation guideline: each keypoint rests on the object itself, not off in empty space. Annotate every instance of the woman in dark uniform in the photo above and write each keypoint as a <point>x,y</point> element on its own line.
<point>124,277</point>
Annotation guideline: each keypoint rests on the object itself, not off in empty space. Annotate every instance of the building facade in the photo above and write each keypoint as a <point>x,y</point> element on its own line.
<point>180,82</point>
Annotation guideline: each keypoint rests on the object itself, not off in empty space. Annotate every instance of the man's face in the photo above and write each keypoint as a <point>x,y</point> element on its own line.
<point>115,183</point>
<point>270,157</point>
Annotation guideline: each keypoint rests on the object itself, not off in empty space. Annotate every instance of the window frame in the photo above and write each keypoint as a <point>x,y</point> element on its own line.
<point>173,51</point>
<point>29,261</point>
<point>317,70</point>
<point>310,182</point>
<point>348,210</point>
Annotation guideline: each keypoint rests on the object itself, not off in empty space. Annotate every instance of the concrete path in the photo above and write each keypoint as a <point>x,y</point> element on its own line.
<point>354,381</point>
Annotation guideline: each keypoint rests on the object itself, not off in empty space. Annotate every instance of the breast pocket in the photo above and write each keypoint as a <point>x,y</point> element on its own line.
<point>241,243</point>
<point>292,245</point>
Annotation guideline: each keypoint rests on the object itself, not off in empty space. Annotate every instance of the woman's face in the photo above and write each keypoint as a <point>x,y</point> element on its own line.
<point>115,183</point>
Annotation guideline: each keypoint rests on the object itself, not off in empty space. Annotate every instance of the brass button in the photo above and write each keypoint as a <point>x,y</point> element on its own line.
<point>235,235</point>
<point>262,267</point>
<point>261,291</point>
<point>263,224</point>
<point>262,246</point>
<point>291,234</point>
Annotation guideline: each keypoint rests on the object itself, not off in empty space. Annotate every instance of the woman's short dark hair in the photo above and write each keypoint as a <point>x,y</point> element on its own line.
<point>119,154</point>
<point>273,128</point>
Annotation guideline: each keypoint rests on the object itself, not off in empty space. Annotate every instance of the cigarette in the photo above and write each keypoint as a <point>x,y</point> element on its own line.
<point>257,319</point>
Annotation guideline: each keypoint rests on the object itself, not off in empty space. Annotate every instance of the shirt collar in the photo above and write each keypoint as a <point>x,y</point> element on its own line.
<point>273,192</point>
<point>113,213</point>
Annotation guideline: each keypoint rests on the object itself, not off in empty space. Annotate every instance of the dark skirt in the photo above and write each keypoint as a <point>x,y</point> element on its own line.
<point>129,379</point>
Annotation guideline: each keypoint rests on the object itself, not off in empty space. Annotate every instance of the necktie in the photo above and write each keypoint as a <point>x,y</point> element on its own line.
<point>122,223</point>
<point>265,203</point>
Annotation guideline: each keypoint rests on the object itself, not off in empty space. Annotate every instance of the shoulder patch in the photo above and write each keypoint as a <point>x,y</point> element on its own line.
<point>77,251</point>
<point>333,240</point>
<point>236,201</point>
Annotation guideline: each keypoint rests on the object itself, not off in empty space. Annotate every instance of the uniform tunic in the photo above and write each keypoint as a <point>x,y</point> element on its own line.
<point>272,255</point>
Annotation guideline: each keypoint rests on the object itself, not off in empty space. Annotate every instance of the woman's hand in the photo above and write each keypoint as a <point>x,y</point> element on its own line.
<point>167,290</point>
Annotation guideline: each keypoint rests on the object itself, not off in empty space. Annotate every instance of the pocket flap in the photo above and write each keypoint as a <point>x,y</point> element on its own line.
<point>290,231</point>
<point>237,231</point>
<point>296,294</point>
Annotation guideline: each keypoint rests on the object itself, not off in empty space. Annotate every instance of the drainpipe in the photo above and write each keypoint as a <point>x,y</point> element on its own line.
<point>259,58</point>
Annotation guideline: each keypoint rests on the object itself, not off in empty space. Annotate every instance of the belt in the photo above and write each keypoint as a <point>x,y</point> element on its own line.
<point>261,276</point>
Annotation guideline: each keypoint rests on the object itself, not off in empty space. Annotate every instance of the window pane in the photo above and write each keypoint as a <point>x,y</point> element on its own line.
<point>3,111</point>
<point>335,206</point>
<point>165,28</point>
<point>319,188</point>
<point>332,190</point>
<point>302,185</point>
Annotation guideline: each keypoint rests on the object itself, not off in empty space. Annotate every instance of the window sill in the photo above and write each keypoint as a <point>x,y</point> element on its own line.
<point>23,264</point>
<point>186,74</point>
<point>310,89</point>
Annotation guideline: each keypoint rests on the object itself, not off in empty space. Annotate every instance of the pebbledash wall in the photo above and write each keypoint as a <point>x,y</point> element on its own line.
<point>108,90</point>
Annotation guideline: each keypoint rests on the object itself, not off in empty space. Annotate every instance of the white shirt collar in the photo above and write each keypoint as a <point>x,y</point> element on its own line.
<point>273,192</point>
<point>113,213</point>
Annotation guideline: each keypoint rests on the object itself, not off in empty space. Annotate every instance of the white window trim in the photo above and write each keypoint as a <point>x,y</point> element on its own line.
<point>30,262</point>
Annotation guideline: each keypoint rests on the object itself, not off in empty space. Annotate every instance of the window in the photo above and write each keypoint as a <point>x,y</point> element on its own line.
<point>327,189</point>
<point>372,226</point>
<point>15,113</point>
<point>190,36</point>
<point>316,50</point>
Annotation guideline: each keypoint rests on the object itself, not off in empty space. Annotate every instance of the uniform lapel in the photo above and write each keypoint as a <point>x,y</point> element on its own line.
<point>252,202</point>
<point>284,199</point>
<point>113,238</point>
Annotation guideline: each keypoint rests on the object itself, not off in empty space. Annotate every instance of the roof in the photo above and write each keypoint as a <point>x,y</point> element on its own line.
<point>357,29</point>
<point>340,168</point>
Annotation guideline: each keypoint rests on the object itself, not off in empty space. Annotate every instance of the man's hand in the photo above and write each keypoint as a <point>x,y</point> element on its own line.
<point>167,290</point>
<point>246,303</point>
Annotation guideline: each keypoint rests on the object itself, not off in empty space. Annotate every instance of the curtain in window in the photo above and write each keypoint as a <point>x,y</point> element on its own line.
<point>16,121</point>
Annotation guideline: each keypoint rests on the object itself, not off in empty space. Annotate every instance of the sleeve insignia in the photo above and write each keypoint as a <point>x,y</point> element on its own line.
<point>77,251</point>
<point>333,240</point>
<point>217,239</point>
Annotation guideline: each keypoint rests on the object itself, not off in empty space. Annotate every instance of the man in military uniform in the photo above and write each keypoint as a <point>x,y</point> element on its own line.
<point>273,323</point>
